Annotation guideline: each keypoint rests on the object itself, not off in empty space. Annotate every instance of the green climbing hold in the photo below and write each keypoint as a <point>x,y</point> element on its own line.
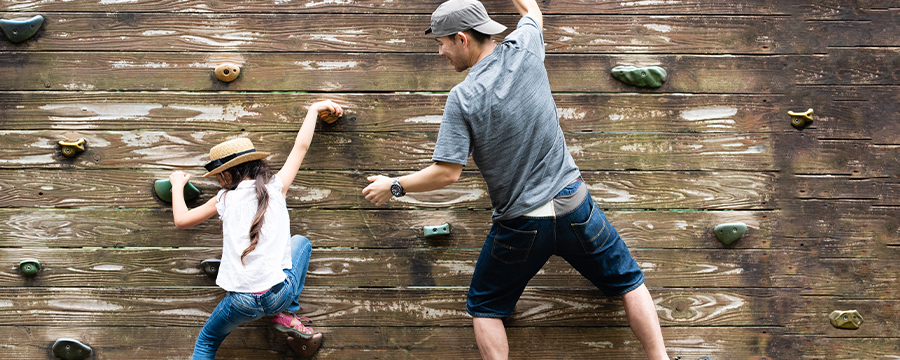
<point>30,267</point>
<point>729,233</point>
<point>846,319</point>
<point>211,267</point>
<point>71,349</point>
<point>651,76</point>
<point>163,189</point>
<point>430,231</point>
<point>20,30</point>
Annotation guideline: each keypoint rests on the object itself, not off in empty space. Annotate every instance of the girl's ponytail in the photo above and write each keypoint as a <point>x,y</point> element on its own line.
<point>258,170</point>
<point>262,200</point>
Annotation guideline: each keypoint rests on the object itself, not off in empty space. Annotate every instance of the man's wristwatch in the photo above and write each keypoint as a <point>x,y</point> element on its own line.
<point>396,188</point>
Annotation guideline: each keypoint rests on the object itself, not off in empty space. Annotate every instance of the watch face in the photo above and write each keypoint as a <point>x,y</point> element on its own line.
<point>396,190</point>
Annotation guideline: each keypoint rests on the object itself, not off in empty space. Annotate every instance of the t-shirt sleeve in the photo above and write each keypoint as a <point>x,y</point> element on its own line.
<point>528,35</point>
<point>454,139</point>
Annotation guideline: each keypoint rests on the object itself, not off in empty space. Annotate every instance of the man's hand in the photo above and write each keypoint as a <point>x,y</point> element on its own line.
<point>379,191</point>
<point>179,179</point>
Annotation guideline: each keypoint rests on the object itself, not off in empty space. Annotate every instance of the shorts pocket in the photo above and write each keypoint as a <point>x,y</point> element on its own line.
<point>511,246</point>
<point>594,232</point>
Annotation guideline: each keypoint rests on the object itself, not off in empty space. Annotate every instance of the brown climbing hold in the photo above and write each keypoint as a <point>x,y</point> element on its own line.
<point>328,116</point>
<point>305,347</point>
<point>227,72</point>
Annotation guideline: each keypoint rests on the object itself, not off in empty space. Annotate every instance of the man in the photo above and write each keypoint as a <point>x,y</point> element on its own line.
<point>503,114</point>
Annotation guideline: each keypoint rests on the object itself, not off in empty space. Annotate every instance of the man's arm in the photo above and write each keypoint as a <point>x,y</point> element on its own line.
<point>530,7</point>
<point>436,176</point>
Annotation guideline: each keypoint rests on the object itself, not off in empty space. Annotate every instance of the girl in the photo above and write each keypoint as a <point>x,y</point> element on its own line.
<point>263,268</point>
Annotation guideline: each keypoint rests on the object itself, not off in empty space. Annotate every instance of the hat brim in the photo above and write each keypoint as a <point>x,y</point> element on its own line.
<point>238,160</point>
<point>490,28</point>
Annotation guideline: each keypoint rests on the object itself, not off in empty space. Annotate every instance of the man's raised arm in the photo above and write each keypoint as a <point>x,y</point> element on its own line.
<point>530,7</point>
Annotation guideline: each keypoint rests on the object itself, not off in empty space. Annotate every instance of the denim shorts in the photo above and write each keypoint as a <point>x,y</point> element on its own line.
<point>516,249</point>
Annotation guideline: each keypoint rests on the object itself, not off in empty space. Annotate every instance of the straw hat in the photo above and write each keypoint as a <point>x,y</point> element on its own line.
<point>231,153</point>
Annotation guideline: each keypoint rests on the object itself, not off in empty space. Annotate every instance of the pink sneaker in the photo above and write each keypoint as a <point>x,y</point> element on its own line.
<point>298,330</point>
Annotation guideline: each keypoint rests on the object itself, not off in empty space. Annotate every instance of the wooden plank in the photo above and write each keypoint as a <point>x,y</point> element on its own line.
<point>208,111</point>
<point>154,267</point>
<point>875,191</point>
<point>179,71</point>
<point>404,33</point>
<point>332,190</point>
<point>384,151</point>
<point>822,347</point>
<point>376,228</point>
<point>31,342</point>
<point>387,307</point>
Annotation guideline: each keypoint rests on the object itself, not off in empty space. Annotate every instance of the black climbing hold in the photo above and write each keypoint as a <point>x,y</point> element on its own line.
<point>163,189</point>
<point>71,349</point>
<point>20,30</point>
<point>651,76</point>
<point>211,267</point>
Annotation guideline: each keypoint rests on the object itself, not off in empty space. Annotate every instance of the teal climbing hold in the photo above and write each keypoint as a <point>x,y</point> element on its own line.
<point>429,231</point>
<point>71,349</point>
<point>651,76</point>
<point>30,267</point>
<point>20,30</point>
<point>163,189</point>
<point>729,233</point>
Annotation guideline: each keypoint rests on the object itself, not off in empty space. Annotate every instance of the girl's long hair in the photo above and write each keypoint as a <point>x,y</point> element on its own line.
<point>260,172</point>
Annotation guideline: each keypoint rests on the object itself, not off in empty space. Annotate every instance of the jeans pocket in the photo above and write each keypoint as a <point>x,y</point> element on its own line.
<point>594,232</point>
<point>511,246</point>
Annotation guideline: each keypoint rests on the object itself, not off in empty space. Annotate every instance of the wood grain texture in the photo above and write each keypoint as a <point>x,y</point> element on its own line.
<point>394,342</point>
<point>333,72</point>
<point>75,228</point>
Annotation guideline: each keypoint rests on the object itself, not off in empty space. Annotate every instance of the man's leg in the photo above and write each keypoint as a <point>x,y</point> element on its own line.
<point>644,322</point>
<point>491,337</point>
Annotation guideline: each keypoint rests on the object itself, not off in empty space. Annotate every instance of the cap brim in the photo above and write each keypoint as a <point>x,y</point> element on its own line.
<point>490,28</point>
<point>238,160</point>
<point>427,31</point>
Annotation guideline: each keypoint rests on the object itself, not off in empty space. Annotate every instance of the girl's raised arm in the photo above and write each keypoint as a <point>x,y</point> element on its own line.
<point>304,137</point>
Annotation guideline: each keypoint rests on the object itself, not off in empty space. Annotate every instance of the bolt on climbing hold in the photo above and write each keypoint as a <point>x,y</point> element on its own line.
<point>71,349</point>
<point>211,267</point>
<point>729,233</point>
<point>305,347</point>
<point>72,148</point>
<point>30,267</point>
<point>443,229</point>
<point>163,189</point>
<point>328,116</point>
<point>850,319</point>
<point>20,30</point>
<point>651,76</point>
<point>801,120</point>
<point>227,72</point>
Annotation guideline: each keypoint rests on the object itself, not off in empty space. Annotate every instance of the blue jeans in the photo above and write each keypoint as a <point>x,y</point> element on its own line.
<point>237,308</point>
<point>516,249</point>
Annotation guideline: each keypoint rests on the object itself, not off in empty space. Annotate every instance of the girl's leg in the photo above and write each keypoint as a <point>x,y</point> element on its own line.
<point>301,249</point>
<point>223,320</point>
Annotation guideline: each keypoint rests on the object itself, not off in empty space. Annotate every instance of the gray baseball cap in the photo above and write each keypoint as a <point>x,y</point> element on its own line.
<point>454,16</point>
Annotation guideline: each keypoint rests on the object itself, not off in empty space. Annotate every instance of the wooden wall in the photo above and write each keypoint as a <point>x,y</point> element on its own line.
<point>713,145</point>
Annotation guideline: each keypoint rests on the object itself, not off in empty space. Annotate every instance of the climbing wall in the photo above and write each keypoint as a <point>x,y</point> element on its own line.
<point>714,145</point>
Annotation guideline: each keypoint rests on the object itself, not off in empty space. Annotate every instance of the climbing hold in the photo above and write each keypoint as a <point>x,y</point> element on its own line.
<point>71,349</point>
<point>705,358</point>
<point>728,233</point>
<point>846,319</point>
<point>211,267</point>
<point>305,347</point>
<point>430,231</point>
<point>651,76</point>
<point>20,30</point>
<point>227,72</point>
<point>30,267</point>
<point>163,189</point>
<point>328,116</point>
<point>801,120</point>
<point>71,148</point>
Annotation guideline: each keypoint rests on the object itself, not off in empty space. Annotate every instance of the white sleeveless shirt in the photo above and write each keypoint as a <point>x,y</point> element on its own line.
<point>264,264</point>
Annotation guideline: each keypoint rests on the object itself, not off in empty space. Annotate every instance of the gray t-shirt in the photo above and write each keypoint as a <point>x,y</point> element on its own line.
<point>504,115</point>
